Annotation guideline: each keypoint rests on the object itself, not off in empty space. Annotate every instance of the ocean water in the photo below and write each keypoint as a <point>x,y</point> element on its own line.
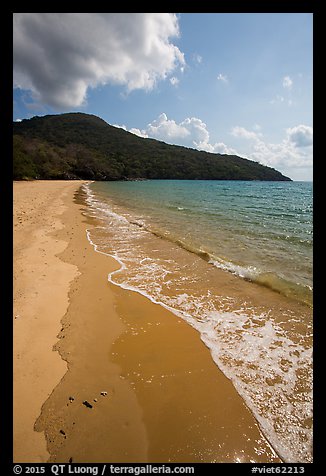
<point>233,259</point>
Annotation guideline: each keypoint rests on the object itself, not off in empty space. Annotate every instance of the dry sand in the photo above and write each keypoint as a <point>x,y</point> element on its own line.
<point>41,284</point>
<point>126,380</point>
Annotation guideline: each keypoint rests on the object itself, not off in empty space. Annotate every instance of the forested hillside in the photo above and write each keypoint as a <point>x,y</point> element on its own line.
<point>77,145</point>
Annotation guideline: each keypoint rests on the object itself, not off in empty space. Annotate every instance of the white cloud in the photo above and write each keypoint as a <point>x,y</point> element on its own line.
<point>222,77</point>
<point>138,132</point>
<point>197,58</point>
<point>120,126</point>
<point>17,120</point>
<point>293,154</point>
<point>191,132</point>
<point>198,132</point>
<point>282,155</point>
<point>174,81</point>
<point>287,82</point>
<point>133,130</point>
<point>221,148</point>
<point>238,131</point>
<point>166,129</point>
<point>294,151</point>
<point>59,56</point>
<point>300,136</point>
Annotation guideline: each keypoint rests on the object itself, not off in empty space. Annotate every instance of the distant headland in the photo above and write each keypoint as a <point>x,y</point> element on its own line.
<point>84,146</point>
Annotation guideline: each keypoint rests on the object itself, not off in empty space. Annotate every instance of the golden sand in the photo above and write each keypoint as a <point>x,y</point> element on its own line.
<point>41,283</point>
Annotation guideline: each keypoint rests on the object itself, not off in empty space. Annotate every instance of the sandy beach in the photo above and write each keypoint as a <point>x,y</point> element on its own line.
<point>102,374</point>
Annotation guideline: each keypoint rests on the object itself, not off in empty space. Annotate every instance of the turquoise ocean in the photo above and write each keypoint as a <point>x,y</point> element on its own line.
<point>173,239</point>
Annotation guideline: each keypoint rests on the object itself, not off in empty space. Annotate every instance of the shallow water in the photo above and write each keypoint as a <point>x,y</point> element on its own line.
<point>174,238</point>
<point>258,230</point>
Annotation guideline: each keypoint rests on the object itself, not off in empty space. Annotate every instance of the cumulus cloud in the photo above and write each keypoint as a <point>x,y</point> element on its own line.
<point>221,148</point>
<point>121,126</point>
<point>191,132</point>
<point>294,151</point>
<point>282,155</point>
<point>58,56</point>
<point>166,129</point>
<point>238,131</point>
<point>138,132</point>
<point>300,136</point>
<point>287,82</point>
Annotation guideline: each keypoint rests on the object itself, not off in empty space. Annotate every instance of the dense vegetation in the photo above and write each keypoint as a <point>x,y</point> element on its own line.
<point>76,145</point>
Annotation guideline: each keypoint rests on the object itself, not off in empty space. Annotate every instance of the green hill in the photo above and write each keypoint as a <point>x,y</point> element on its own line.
<point>77,145</point>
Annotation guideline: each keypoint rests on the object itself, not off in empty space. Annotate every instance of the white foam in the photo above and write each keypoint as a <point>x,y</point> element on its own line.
<point>251,349</point>
<point>249,272</point>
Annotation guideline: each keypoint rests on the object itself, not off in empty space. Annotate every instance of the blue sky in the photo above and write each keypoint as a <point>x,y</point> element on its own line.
<point>227,83</point>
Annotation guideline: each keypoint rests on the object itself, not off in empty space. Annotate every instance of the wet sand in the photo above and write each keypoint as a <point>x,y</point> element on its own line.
<point>126,380</point>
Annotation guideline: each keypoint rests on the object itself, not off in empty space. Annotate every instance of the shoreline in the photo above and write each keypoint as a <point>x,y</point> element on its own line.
<point>154,392</point>
<point>260,339</point>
